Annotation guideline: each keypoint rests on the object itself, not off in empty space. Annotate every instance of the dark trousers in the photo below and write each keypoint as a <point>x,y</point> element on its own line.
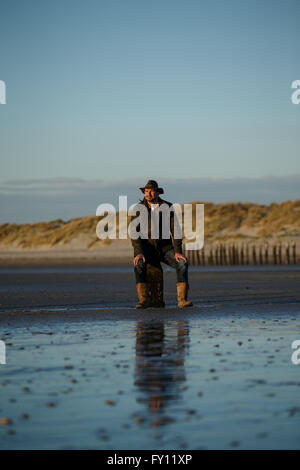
<point>168,258</point>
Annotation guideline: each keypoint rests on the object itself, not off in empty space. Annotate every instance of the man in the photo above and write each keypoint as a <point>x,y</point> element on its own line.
<point>158,249</point>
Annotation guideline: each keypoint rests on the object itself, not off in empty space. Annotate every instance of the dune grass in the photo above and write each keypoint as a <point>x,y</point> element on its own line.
<point>228,221</point>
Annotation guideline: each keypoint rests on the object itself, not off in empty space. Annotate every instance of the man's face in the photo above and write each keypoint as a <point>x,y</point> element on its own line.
<point>150,195</point>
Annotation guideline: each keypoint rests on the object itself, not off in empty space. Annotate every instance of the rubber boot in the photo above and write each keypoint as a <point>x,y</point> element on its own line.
<point>141,288</point>
<point>182,289</point>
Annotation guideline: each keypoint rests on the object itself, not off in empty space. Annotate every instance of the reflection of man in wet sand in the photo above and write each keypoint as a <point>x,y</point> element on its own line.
<point>160,365</point>
<point>160,249</point>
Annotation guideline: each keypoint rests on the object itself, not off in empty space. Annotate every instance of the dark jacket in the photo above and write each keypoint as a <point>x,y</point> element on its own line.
<point>152,247</point>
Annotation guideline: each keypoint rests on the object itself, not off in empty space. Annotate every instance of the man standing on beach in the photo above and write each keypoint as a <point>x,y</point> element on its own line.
<point>158,249</point>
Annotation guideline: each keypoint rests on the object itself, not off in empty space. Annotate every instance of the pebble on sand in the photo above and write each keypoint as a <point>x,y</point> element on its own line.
<point>110,402</point>
<point>5,421</point>
<point>191,412</point>
<point>234,443</point>
<point>139,419</point>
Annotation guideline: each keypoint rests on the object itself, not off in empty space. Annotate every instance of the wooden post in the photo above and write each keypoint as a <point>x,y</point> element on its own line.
<point>242,253</point>
<point>211,257</point>
<point>253,254</point>
<point>287,253</point>
<point>260,254</point>
<point>236,249</point>
<point>221,254</point>
<point>197,257</point>
<point>229,255</point>
<point>233,253</point>
<point>266,258</point>
<point>217,254</point>
<point>155,283</point>
<point>279,254</point>
<point>294,251</point>
<point>203,256</point>
<point>247,253</point>
<point>225,255</point>
<point>274,254</point>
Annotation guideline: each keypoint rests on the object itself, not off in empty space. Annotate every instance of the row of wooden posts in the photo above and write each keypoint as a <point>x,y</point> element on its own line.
<point>243,254</point>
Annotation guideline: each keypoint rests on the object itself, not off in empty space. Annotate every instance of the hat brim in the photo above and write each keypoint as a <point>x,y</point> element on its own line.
<point>159,190</point>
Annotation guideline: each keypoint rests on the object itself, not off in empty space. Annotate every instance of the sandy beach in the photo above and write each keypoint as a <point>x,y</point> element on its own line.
<point>86,370</point>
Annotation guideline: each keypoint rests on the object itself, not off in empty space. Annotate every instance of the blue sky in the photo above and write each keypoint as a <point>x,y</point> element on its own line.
<point>120,89</point>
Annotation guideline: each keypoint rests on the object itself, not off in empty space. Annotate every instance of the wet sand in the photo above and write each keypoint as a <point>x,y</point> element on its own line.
<point>119,254</point>
<point>86,370</point>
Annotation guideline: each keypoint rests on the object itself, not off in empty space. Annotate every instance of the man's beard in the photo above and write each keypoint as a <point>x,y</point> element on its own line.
<point>151,199</point>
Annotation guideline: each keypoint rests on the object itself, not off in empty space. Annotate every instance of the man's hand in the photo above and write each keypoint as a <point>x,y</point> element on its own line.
<point>178,257</point>
<point>137,258</point>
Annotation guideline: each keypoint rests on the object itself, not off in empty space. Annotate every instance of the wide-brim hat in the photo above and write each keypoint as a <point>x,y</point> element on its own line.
<point>152,185</point>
